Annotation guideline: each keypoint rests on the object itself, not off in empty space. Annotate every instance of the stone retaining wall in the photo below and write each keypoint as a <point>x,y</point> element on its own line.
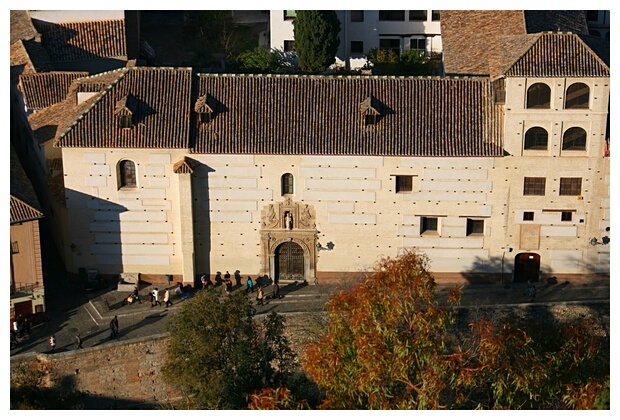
<point>127,374</point>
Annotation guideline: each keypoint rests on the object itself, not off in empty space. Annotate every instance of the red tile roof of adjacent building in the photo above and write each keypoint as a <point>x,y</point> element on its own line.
<point>41,90</point>
<point>558,55</point>
<point>469,36</point>
<point>72,41</point>
<point>24,203</point>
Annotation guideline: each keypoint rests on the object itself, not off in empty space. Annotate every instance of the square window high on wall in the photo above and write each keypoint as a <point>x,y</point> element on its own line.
<point>404,183</point>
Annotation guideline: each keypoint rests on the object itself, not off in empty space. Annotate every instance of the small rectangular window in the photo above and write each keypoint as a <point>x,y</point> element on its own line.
<point>417,44</point>
<point>390,44</point>
<point>357,15</point>
<point>392,15</point>
<point>14,248</point>
<point>417,15</point>
<point>570,186</point>
<point>357,47</point>
<point>567,216</point>
<point>404,183</point>
<point>528,216</point>
<point>125,121</point>
<point>475,227</point>
<point>289,46</point>
<point>428,225</point>
<point>436,15</point>
<point>534,186</point>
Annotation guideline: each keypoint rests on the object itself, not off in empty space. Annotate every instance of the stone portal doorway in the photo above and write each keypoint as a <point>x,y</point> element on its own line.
<point>288,241</point>
<point>289,262</point>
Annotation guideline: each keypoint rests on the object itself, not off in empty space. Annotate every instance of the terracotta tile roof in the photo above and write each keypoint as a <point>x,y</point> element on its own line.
<point>27,57</point>
<point>558,55</point>
<point>21,26</point>
<point>24,203</point>
<point>556,21</point>
<point>468,36</point>
<point>48,123</point>
<point>321,115</point>
<point>161,110</point>
<point>73,41</point>
<point>41,90</point>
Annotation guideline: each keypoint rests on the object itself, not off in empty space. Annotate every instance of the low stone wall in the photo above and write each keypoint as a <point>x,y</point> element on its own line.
<point>127,375</point>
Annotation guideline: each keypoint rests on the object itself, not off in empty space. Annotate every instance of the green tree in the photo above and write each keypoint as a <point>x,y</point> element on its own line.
<point>218,355</point>
<point>391,344</point>
<point>316,39</point>
<point>260,60</point>
<point>409,63</point>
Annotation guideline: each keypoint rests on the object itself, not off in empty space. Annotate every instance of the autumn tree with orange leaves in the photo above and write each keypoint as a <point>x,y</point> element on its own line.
<point>391,345</point>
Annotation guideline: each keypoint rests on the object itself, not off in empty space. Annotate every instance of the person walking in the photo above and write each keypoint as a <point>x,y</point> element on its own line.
<point>276,291</point>
<point>227,277</point>
<point>259,296</point>
<point>167,298</point>
<point>135,295</point>
<point>155,294</point>
<point>114,327</point>
<point>228,286</point>
<point>204,280</point>
<point>78,341</point>
<point>52,342</point>
<point>250,285</point>
<point>14,341</point>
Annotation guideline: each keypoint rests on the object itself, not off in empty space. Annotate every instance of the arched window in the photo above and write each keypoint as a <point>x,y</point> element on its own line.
<point>287,184</point>
<point>574,139</point>
<point>536,139</point>
<point>578,96</point>
<point>539,96</point>
<point>127,174</point>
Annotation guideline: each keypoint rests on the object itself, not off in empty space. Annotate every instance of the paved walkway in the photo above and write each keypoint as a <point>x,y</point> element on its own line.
<point>72,310</point>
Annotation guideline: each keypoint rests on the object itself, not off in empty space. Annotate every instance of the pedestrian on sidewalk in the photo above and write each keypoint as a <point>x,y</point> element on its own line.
<point>167,298</point>
<point>227,277</point>
<point>276,291</point>
<point>228,286</point>
<point>530,291</point>
<point>114,327</point>
<point>52,342</point>
<point>204,280</point>
<point>135,295</point>
<point>259,296</point>
<point>250,285</point>
<point>78,341</point>
<point>14,341</point>
<point>155,300</point>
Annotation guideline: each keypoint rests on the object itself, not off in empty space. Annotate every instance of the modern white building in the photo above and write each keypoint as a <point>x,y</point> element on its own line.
<point>363,30</point>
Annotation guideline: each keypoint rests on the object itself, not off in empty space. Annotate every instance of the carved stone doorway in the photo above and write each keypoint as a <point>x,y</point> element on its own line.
<point>288,241</point>
<point>289,262</point>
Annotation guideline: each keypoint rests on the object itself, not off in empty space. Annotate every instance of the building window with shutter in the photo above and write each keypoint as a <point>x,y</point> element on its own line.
<point>574,139</point>
<point>475,227</point>
<point>577,96</point>
<point>404,183</point>
<point>357,15</point>
<point>127,174</point>
<point>428,226</point>
<point>534,186</point>
<point>287,184</point>
<point>570,186</point>
<point>538,96</point>
<point>528,216</point>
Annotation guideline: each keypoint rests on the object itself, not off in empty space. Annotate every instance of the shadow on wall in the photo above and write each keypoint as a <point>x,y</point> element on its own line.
<point>202,217</point>
<point>501,270</point>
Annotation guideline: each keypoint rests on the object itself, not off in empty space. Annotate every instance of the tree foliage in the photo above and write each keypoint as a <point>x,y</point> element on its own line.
<point>260,60</point>
<point>386,343</point>
<point>391,344</point>
<point>316,39</point>
<point>408,63</point>
<point>218,355</point>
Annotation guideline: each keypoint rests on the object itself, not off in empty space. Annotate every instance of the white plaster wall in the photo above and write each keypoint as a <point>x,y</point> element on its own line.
<point>356,207</point>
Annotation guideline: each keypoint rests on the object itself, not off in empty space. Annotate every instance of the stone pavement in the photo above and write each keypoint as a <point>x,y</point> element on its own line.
<point>72,310</point>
